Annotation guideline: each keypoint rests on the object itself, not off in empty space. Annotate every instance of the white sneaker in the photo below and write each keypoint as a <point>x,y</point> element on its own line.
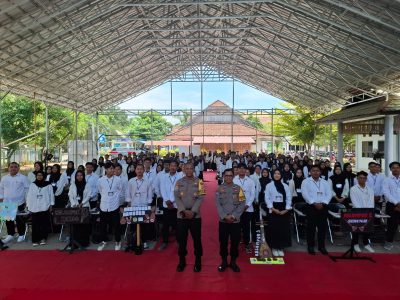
<point>20,239</point>
<point>357,248</point>
<point>145,246</point>
<point>43,242</point>
<point>117,246</point>
<point>7,239</point>
<point>369,248</point>
<point>35,244</point>
<point>101,246</point>
<point>281,253</point>
<point>388,246</point>
<point>275,252</point>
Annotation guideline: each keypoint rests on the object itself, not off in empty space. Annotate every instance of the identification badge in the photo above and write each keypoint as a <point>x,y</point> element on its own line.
<point>319,193</point>
<point>138,194</point>
<point>279,198</point>
<point>53,184</point>
<point>339,185</point>
<point>39,196</point>
<point>110,194</point>
<point>78,198</point>
<point>298,190</point>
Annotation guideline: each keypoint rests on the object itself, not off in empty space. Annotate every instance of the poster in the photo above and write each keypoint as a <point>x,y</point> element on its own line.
<point>8,211</point>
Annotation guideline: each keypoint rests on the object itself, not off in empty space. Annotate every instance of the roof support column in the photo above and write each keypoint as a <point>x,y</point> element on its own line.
<point>339,157</point>
<point>46,153</point>
<point>97,136</point>
<point>233,110</point>
<point>151,131</point>
<point>191,131</point>
<point>389,142</point>
<point>76,138</point>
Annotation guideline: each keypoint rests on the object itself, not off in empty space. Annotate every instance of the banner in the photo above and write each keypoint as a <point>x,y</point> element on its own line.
<point>357,220</point>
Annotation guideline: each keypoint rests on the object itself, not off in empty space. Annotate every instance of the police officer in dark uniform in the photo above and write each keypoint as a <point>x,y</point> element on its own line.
<point>189,194</point>
<point>230,200</point>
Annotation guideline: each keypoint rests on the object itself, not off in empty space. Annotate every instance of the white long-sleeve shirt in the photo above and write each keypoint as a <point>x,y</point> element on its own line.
<point>391,189</point>
<point>74,197</point>
<point>272,195</point>
<point>31,177</point>
<point>14,188</point>
<point>248,188</point>
<point>139,192</point>
<point>156,183</point>
<point>109,189</point>
<point>150,176</point>
<point>316,191</point>
<point>39,199</point>
<point>362,197</point>
<point>257,185</point>
<point>346,189</point>
<point>375,181</point>
<point>92,180</point>
<point>167,187</point>
<point>124,181</point>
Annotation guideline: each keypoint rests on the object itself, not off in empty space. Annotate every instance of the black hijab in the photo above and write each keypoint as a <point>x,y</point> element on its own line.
<point>80,185</point>
<point>279,185</point>
<point>55,177</point>
<point>69,171</point>
<point>264,180</point>
<point>286,175</point>
<point>298,180</point>
<point>40,166</point>
<point>41,183</point>
<point>349,175</point>
<point>338,179</point>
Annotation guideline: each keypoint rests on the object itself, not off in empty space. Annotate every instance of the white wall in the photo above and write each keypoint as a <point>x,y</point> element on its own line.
<point>362,162</point>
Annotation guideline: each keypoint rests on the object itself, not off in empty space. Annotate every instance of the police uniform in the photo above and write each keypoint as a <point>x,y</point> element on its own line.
<point>189,194</point>
<point>230,200</point>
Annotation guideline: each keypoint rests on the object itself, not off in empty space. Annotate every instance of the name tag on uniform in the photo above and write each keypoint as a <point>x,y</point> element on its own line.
<point>298,190</point>
<point>319,193</point>
<point>278,198</point>
<point>69,177</point>
<point>110,194</point>
<point>339,185</point>
<point>53,184</point>
<point>39,196</point>
<point>78,198</point>
<point>138,194</point>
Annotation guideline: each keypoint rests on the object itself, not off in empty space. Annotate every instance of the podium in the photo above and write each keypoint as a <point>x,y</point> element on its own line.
<point>138,215</point>
<point>71,216</point>
<point>356,220</point>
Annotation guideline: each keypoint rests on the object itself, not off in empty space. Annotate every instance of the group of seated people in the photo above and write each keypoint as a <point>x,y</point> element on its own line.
<point>272,186</point>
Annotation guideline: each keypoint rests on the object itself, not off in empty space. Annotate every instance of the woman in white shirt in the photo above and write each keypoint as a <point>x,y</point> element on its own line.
<point>38,166</point>
<point>340,190</point>
<point>79,196</point>
<point>279,201</point>
<point>39,200</point>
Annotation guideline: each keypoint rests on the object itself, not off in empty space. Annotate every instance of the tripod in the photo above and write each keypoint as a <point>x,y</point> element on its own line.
<point>72,244</point>
<point>351,254</point>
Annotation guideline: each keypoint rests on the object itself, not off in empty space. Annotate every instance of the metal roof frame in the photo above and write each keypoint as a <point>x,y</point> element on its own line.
<point>93,54</point>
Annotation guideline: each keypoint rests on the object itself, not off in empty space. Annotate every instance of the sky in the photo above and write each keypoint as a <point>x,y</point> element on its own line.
<point>186,95</point>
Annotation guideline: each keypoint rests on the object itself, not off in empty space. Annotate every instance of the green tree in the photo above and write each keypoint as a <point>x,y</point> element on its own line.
<point>149,126</point>
<point>255,121</point>
<point>184,117</point>
<point>299,127</point>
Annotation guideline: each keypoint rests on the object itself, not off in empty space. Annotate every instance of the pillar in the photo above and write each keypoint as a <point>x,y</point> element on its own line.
<point>389,142</point>
<point>339,157</point>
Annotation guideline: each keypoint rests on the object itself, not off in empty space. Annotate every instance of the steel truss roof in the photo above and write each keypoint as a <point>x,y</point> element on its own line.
<point>89,55</point>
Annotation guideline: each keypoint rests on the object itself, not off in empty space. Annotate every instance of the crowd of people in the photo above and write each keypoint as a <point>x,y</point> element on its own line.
<point>250,185</point>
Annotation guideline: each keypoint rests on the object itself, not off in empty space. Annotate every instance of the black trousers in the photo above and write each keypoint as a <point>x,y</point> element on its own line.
<point>247,223</point>
<point>40,226</point>
<point>316,219</point>
<point>111,219</point>
<point>20,223</point>
<point>168,220</point>
<point>355,238</point>
<point>182,231</point>
<point>392,222</point>
<point>229,231</point>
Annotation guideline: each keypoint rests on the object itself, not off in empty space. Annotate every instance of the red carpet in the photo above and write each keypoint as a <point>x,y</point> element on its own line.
<point>107,275</point>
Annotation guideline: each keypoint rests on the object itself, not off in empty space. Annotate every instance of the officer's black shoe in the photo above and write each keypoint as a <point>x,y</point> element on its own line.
<point>234,266</point>
<point>182,264</point>
<point>197,265</point>
<point>311,251</point>
<point>323,250</point>
<point>222,267</point>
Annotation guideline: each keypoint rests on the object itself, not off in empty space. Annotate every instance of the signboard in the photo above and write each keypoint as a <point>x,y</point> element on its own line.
<point>8,211</point>
<point>139,214</point>
<point>267,261</point>
<point>357,220</point>
<point>102,138</point>
<point>68,216</point>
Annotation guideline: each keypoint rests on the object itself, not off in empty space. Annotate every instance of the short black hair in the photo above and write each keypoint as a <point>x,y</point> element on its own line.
<point>227,170</point>
<point>89,164</point>
<point>108,165</point>
<point>242,165</point>
<point>362,173</point>
<point>118,166</point>
<point>372,163</point>
<point>394,163</point>
<point>315,167</point>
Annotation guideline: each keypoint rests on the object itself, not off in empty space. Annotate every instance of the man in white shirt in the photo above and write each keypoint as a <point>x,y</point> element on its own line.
<point>124,180</point>
<point>110,187</point>
<point>247,219</point>
<point>140,193</point>
<point>391,190</point>
<point>13,188</point>
<point>92,180</point>
<point>375,180</point>
<point>149,173</point>
<point>362,196</point>
<point>317,193</point>
<point>167,186</point>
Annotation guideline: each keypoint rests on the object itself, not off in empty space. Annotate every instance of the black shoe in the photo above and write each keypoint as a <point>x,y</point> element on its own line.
<point>3,247</point>
<point>311,251</point>
<point>235,268</point>
<point>197,265</point>
<point>224,264</point>
<point>323,251</point>
<point>181,266</point>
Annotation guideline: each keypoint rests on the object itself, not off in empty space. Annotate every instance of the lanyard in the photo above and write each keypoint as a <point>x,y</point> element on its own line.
<point>172,182</point>
<point>112,182</point>
<point>242,182</point>
<point>363,190</point>
<point>148,174</point>
<point>137,184</point>
<point>397,182</point>
<point>317,185</point>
